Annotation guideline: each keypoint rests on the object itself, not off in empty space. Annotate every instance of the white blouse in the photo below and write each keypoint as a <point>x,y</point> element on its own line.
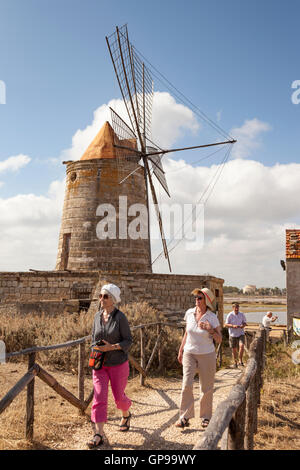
<point>199,341</point>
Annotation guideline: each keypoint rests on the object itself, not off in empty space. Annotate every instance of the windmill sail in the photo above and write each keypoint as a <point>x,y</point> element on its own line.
<point>163,239</point>
<point>133,140</point>
<point>135,82</point>
<point>136,86</point>
<point>125,140</point>
<point>157,168</point>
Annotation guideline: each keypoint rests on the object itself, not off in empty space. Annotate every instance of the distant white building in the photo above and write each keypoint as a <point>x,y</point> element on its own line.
<point>249,289</point>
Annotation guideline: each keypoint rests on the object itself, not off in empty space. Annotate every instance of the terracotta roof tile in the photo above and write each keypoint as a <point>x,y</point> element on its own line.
<point>293,244</point>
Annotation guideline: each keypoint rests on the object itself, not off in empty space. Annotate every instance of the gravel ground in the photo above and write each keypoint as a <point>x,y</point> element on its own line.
<point>155,411</point>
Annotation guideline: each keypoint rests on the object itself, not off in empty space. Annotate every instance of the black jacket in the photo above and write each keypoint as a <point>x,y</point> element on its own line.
<point>116,330</point>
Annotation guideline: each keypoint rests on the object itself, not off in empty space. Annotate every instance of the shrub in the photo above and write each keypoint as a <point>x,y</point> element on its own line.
<point>21,332</point>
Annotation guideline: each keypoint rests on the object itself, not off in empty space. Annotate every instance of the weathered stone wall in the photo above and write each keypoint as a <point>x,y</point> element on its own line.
<point>89,184</point>
<point>51,285</point>
<point>293,289</point>
<point>169,293</point>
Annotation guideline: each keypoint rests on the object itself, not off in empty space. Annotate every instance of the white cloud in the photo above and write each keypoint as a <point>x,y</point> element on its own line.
<point>29,229</point>
<point>14,163</point>
<point>170,121</point>
<point>245,217</point>
<point>248,137</point>
<point>245,220</point>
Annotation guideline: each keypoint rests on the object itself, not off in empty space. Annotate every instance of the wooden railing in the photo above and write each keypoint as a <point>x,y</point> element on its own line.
<point>238,412</point>
<point>35,370</point>
<point>143,368</point>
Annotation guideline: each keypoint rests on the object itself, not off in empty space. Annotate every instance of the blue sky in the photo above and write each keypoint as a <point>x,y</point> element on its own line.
<point>238,58</point>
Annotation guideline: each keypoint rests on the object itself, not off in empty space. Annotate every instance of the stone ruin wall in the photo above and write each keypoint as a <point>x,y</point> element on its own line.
<point>57,292</point>
<point>49,292</point>
<point>168,293</point>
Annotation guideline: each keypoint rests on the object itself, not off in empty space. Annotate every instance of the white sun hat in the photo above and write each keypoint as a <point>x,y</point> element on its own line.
<point>210,299</point>
<point>113,290</point>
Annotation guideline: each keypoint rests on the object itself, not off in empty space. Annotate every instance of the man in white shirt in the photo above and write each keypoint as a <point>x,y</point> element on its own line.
<point>266,321</point>
<point>236,322</point>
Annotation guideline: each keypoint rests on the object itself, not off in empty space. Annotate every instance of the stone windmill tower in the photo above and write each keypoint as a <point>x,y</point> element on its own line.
<point>115,157</point>
<point>92,183</point>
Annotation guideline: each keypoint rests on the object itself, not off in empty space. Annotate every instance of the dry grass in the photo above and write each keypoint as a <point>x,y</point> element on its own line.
<point>20,332</point>
<point>54,416</point>
<point>252,307</point>
<point>278,415</point>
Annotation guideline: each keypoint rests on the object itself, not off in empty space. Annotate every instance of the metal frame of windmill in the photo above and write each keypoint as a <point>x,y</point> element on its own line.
<point>134,141</point>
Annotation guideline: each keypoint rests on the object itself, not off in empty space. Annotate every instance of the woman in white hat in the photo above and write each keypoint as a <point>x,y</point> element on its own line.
<point>112,328</point>
<point>197,352</point>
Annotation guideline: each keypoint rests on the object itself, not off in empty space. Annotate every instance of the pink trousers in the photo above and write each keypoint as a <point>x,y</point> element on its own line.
<point>118,376</point>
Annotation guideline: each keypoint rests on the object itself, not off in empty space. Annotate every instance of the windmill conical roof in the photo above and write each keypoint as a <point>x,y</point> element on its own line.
<point>103,144</point>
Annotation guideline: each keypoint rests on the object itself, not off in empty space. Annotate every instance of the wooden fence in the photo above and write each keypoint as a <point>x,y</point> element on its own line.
<point>238,412</point>
<point>35,370</point>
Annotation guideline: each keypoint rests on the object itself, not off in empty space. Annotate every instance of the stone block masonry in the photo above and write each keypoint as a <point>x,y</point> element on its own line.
<point>169,293</point>
<point>46,285</point>
<point>92,184</point>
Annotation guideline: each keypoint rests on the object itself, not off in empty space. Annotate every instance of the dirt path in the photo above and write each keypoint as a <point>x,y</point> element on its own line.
<point>155,411</point>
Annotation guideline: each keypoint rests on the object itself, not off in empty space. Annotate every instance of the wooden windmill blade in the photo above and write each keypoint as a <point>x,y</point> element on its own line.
<point>125,140</point>
<point>164,243</point>
<point>135,83</point>
<point>157,167</point>
<point>136,86</point>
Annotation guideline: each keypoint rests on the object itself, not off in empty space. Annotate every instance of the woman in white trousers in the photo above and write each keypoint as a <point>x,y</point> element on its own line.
<point>197,353</point>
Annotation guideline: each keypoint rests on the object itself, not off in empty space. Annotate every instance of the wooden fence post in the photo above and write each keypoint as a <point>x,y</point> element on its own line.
<point>30,402</point>
<point>236,429</point>
<point>143,359</point>
<point>160,363</point>
<point>81,359</point>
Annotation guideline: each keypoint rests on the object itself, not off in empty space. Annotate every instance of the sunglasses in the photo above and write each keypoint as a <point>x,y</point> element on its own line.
<point>199,297</point>
<point>103,296</point>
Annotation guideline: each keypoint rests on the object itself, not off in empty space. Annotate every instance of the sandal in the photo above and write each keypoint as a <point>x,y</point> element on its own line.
<point>205,423</point>
<point>93,444</point>
<point>182,423</point>
<point>126,425</point>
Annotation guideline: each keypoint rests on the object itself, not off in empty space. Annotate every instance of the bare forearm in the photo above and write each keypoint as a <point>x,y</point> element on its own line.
<point>183,342</point>
<point>217,337</point>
